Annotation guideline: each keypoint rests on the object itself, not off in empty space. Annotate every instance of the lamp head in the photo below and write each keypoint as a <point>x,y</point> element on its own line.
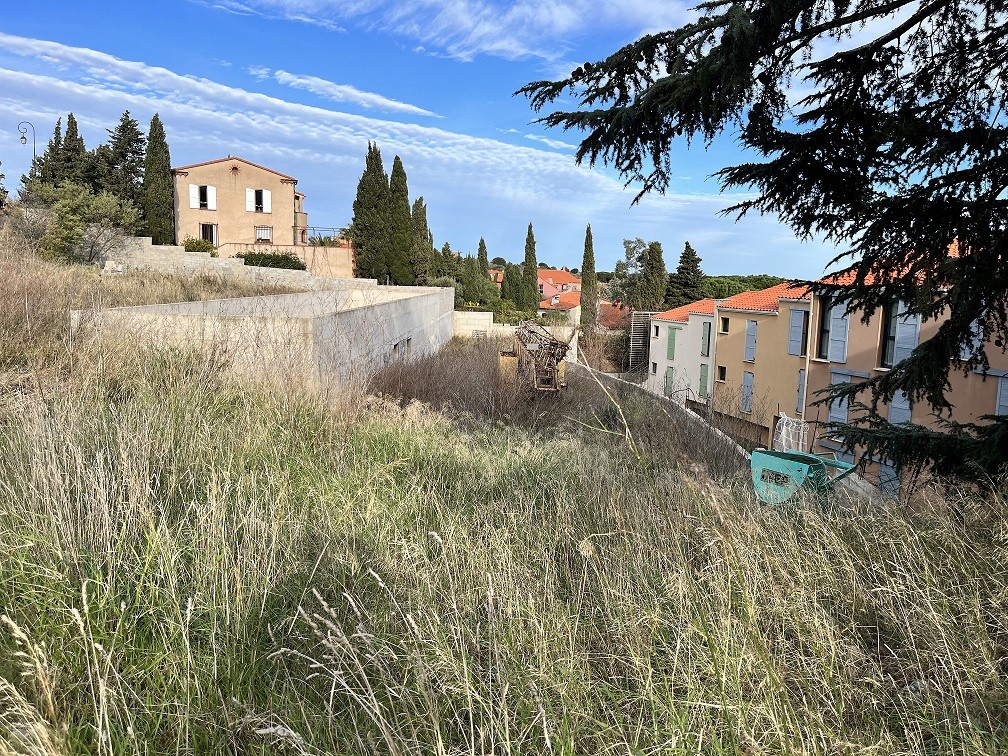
<point>24,139</point>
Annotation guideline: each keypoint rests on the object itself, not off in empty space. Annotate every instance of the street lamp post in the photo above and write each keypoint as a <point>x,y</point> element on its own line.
<point>23,128</point>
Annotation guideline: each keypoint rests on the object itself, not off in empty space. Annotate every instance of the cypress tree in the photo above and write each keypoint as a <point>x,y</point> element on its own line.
<point>484,262</point>
<point>653,279</point>
<point>530,274</point>
<point>685,285</point>
<point>73,162</point>
<point>400,228</point>
<point>422,250</point>
<point>44,167</point>
<point>589,287</point>
<point>368,229</point>
<point>126,152</point>
<point>157,192</point>
<point>511,284</point>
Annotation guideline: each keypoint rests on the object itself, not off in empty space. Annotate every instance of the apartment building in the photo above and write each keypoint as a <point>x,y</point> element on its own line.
<point>682,351</point>
<point>234,203</point>
<point>846,350</point>
<point>760,371</point>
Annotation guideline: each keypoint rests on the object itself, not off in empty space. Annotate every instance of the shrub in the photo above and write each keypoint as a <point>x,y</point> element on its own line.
<point>198,245</point>
<point>84,226</point>
<point>285,260</point>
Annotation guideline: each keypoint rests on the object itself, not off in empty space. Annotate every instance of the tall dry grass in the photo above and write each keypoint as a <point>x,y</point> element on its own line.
<point>189,564</point>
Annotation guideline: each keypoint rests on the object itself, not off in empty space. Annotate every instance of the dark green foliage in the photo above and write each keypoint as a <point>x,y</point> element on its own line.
<point>722,287</point>
<point>286,260</point>
<point>369,228</point>
<point>685,285</point>
<point>511,285</point>
<point>422,251</point>
<point>500,262</point>
<point>400,228</point>
<point>529,294</point>
<point>654,279</point>
<point>83,226</point>
<point>589,287</point>
<point>45,168</point>
<point>448,264</point>
<point>896,150</point>
<point>157,190</point>
<point>481,254</point>
<point>127,148</point>
<point>192,244</point>
<point>73,165</point>
<point>640,279</point>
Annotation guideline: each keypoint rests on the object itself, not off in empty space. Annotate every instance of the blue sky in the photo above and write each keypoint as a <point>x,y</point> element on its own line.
<point>302,85</point>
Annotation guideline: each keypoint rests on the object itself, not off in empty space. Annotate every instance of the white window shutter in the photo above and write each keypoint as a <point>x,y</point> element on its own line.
<point>794,345</point>
<point>250,200</point>
<point>838,332</point>
<point>907,333</point>
<point>211,195</point>
<point>193,197</point>
<point>267,201</point>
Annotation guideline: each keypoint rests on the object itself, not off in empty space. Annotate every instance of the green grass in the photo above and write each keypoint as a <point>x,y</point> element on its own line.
<point>195,565</point>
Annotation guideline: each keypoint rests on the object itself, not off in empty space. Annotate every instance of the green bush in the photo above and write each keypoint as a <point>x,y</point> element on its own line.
<point>285,260</point>
<point>198,245</point>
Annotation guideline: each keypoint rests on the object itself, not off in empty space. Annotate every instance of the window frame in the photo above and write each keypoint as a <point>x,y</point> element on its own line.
<point>823,333</point>
<point>258,239</point>
<point>724,324</point>
<point>887,337</point>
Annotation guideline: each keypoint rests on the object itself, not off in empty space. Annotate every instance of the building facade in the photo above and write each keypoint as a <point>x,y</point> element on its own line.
<point>553,282</point>
<point>682,352</point>
<point>234,203</point>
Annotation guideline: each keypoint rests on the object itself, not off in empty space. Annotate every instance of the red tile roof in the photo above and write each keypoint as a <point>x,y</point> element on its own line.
<point>558,277</point>
<point>566,301</point>
<point>233,157</point>
<point>681,314</point>
<point>847,276</point>
<point>765,300</point>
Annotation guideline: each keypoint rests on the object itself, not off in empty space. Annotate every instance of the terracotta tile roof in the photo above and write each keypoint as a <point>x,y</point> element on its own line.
<point>846,277</point>
<point>681,314</point>
<point>613,316</point>
<point>183,168</point>
<point>765,300</point>
<point>566,301</point>
<point>558,277</point>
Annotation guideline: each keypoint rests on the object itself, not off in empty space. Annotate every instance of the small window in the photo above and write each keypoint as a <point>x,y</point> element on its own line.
<point>724,325</point>
<point>204,198</point>
<point>208,232</point>
<point>264,234</point>
<point>655,334</point>
<point>258,200</point>
<point>722,373</point>
<point>887,349</point>
<point>822,350</point>
<point>654,368</point>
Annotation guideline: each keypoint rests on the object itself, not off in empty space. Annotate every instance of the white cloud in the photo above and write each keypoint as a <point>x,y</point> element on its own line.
<point>348,93</point>
<point>556,144</point>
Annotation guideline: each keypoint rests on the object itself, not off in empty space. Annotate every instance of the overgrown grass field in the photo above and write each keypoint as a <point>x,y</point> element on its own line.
<point>442,565</point>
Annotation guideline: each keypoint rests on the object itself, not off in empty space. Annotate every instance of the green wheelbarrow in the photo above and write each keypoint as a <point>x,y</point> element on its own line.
<point>778,475</point>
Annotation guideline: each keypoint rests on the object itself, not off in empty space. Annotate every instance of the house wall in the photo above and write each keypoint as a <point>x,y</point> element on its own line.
<point>972,395</point>
<point>680,376</point>
<point>776,373</point>
<point>235,224</point>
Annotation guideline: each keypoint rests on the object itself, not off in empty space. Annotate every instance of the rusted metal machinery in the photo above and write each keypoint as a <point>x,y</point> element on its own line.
<point>536,358</point>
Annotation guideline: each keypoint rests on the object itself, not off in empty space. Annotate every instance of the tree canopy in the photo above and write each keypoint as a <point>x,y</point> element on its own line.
<point>876,125</point>
<point>589,288</point>
<point>685,284</point>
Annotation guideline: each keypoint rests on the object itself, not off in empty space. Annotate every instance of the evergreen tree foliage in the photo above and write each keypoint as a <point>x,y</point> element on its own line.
<point>449,263</point>
<point>422,250</point>
<point>484,262</point>
<point>500,262</point>
<point>894,152</point>
<point>685,285</point>
<point>650,295</point>
<point>530,275</point>
<point>369,227</point>
<point>722,287</point>
<point>589,287</point>
<point>127,147</point>
<point>400,228</point>
<point>511,285</point>
<point>157,190</point>
<point>73,165</point>
<point>45,168</point>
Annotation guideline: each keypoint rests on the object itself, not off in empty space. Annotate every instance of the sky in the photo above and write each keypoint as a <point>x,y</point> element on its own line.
<point>302,86</point>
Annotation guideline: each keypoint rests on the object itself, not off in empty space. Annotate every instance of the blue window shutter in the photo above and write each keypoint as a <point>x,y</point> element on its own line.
<point>907,333</point>
<point>750,341</point>
<point>838,407</point>
<point>794,345</point>
<point>1002,398</point>
<point>705,340</point>
<point>888,479</point>
<point>800,404</point>
<point>838,332</point>
<point>671,343</point>
<point>703,379</point>
<point>973,345</point>
<point>746,397</point>
<point>899,408</point>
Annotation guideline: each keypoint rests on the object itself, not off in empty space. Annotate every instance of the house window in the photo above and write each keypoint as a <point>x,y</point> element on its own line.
<point>654,368</point>
<point>703,380</point>
<point>746,397</point>
<point>258,200</point>
<point>722,373</point>
<point>750,341</point>
<point>204,200</point>
<point>208,232</point>
<point>264,234</point>
<point>822,350</point>
<point>705,340</point>
<point>202,197</point>
<point>1002,396</point>
<point>655,334</point>
<point>724,325</point>
<point>887,349</point>
<point>798,332</point>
